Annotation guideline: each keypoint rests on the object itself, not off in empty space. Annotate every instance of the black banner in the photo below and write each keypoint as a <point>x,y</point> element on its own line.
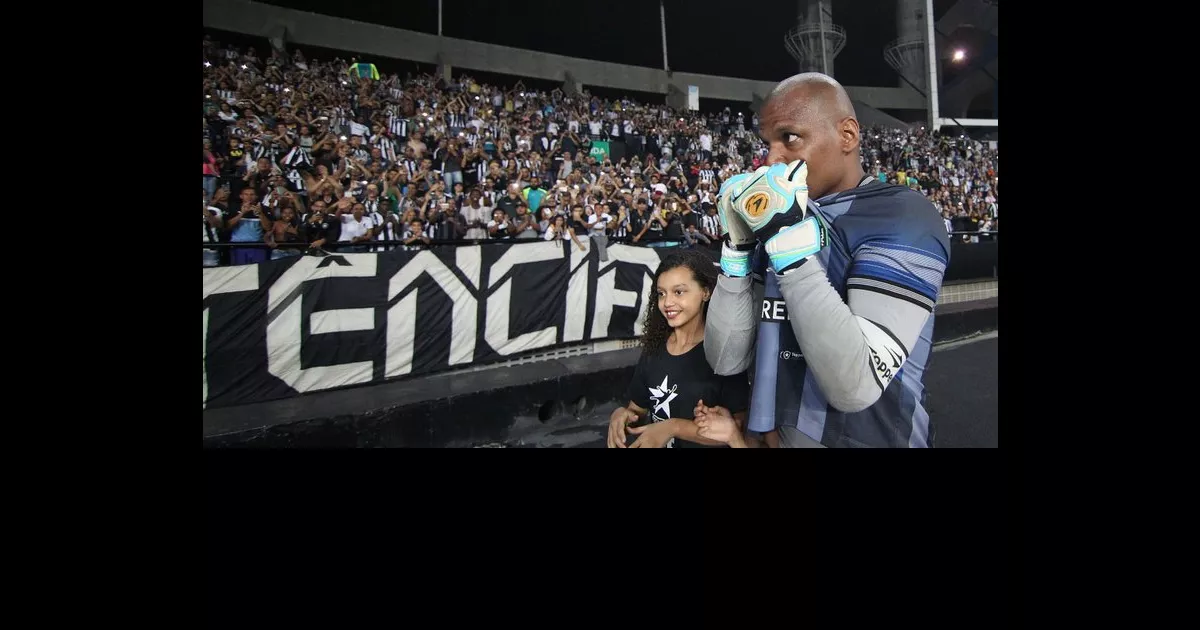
<point>973,261</point>
<point>307,323</point>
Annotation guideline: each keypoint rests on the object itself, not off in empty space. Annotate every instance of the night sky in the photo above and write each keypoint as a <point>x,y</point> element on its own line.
<point>735,43</point>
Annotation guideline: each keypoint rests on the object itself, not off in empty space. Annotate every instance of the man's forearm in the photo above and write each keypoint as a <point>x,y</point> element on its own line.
<point>731,325</point>
<point>833,341</point>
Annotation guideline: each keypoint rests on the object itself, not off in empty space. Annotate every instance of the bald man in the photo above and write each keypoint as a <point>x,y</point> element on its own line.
<point>840,329</point>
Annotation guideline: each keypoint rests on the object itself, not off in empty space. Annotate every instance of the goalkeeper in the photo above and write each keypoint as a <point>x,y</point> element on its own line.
<point>832,299</point>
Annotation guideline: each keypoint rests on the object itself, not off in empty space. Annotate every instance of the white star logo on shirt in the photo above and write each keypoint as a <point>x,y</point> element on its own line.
<point>657,393</point>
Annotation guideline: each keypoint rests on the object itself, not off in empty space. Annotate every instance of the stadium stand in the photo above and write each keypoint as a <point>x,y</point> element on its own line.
<point>301,153</point>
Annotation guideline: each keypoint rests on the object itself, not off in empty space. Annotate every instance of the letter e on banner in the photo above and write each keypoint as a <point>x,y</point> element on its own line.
<point>284,332</point>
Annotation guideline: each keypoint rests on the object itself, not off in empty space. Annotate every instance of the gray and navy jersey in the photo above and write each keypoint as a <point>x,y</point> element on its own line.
<point>840,344</point>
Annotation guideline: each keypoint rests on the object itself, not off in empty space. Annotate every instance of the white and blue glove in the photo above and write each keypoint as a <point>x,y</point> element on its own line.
<point>739,241</point>
<point>771,204</point>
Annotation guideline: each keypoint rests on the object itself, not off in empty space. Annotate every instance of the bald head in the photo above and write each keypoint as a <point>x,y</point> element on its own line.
<point>810,117</point>
<point>820,91</point>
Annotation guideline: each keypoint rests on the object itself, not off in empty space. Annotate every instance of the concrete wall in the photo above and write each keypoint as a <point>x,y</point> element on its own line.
<point>252,18</point>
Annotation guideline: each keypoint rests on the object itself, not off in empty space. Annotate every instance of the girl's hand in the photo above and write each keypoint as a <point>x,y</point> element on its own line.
<point>716,423</point>
<point>653,435</point>
<point>617,426</point>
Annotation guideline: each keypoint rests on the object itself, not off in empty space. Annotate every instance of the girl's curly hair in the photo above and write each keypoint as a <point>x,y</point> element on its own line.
<point>656,330</point>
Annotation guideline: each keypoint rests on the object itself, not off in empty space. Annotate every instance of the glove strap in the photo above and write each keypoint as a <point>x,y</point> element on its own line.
<point>794,244</point>
<point>735,260</point>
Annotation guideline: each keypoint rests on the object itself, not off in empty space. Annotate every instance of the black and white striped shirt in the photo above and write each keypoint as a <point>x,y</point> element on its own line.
<point>480,170</point>
<point>711,224</point>
<point>457,120</point>
<point>472,138</point>
<point>210,233</point>
<point>622,228</point>
<point>411,165</point>
<point>338,120</point>
<point>296,180</point>
<point>260,150</point>
<point>707,175</point>
<point>388,231</point>
<point>384,231</point>
<point>398,126</point>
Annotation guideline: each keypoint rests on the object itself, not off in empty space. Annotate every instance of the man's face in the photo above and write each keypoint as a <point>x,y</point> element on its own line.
<point>498,216</point>
<point>795,128</point>
<point>248,195</point>
<point>415,227</point>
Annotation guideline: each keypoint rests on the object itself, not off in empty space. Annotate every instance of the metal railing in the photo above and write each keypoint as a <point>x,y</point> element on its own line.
<point>457,242</point>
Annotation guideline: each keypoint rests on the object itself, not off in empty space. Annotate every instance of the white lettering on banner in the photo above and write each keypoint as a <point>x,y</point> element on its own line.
<point>577,288</point>
<point>608,296</point>
<point>500,300</point>
<point>224,280</point>
<point>341,320</point>
<point>461,279</point>
<point>402,318</point>
<point>285,334</point>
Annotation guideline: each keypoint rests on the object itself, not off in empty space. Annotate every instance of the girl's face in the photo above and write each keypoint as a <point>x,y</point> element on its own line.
<point>680,298</point>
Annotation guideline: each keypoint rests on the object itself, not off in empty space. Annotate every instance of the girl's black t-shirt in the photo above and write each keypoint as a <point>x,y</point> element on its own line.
<point>670,386</point>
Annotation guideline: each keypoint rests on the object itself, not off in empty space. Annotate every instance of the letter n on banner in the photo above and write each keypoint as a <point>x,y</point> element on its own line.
<point>402,317</point>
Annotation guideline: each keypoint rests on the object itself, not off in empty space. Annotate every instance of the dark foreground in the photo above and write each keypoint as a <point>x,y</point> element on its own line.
<point>565,403</point>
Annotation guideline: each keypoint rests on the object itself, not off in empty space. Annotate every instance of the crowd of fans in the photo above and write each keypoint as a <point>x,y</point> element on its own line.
<point>302,154</point>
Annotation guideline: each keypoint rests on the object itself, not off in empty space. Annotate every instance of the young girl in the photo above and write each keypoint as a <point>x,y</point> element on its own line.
<point>673,379</point>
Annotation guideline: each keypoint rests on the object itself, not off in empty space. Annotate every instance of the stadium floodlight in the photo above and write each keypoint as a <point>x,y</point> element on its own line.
<point>287,89</point>
<point>207,64</point>
<point>959,55</point>
<point>243,66</point>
